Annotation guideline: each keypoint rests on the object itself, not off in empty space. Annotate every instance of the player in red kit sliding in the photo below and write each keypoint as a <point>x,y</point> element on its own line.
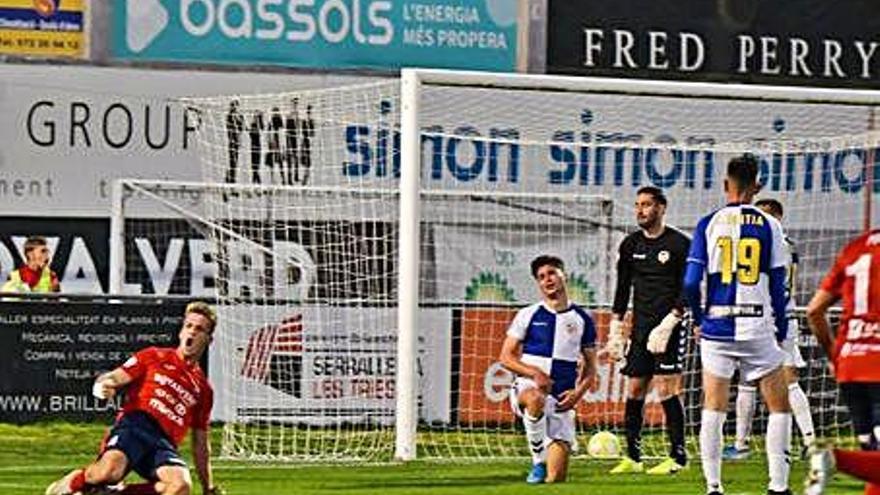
<point>855,355</point>
<point>167,393</point>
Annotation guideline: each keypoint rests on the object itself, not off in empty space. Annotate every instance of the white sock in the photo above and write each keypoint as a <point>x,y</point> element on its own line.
<point>800,407</point>
<point>711,439</point>
<point>536,432</point>
<point>778,450</point>
<point>745,414</point>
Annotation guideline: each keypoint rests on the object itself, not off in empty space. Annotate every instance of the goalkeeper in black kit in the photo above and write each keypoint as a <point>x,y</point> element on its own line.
<point>651,265</point>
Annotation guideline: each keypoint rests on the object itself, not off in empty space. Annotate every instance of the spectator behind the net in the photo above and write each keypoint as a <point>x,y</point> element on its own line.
<point>34,275</point>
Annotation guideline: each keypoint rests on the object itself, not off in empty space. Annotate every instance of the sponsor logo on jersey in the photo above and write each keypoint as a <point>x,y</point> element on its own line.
<point>663,256</point>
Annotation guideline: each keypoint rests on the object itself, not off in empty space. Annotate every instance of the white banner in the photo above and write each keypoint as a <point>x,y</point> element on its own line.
<point>489,266</point>
<point>323,365</point>
<point>812,156</point>
<point>67,132</point>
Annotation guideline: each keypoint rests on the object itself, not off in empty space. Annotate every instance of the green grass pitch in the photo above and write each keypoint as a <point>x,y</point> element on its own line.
<point>32,456</point>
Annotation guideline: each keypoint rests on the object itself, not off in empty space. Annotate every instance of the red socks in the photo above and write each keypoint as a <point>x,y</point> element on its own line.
<point>79,481</point>
<point>78,484</point>
<point>863,464</point>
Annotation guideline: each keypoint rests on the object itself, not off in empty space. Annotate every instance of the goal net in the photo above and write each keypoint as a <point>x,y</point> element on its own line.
<point>372,242</point>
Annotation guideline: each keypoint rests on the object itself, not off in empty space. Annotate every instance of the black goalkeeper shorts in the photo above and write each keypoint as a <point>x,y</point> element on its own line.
<point>640,362</point>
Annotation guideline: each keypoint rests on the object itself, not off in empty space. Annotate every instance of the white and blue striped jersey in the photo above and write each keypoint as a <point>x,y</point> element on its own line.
<point>742,250</point>
<point>552,341</point>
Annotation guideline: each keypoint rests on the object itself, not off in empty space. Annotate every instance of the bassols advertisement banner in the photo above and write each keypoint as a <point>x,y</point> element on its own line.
<point>798,42</point>
<point>44,28</point>
<point>50,354</point>
<point>327,34</point>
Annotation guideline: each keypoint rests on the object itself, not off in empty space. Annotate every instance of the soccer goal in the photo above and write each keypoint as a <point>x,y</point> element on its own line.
<point>372,242</point>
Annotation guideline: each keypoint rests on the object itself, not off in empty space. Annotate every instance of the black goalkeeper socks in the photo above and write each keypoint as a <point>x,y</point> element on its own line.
<point>633,417</point>
<point>674,412</point>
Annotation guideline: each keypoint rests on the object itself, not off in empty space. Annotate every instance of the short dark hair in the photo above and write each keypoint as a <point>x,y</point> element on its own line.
<point>655,193</point>
<point>546,259</point>
<point>743,170</point>
<point>774,206</point>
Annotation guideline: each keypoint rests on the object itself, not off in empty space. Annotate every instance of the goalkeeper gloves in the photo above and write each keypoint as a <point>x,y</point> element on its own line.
<point>616,342</point>
<point>659,337</point>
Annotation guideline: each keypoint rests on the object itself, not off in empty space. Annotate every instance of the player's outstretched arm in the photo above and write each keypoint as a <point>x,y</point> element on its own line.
<point>108,384</point>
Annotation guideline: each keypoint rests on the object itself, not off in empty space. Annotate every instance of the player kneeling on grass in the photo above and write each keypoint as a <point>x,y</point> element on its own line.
<point>166,393</point>
<point>550,348</point>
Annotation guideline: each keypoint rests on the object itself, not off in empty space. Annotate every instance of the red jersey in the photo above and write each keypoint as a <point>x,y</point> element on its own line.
<point>855,278</point>
<point>172,391</point>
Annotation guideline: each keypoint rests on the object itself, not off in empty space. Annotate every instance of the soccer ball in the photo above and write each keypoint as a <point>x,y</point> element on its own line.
<point>603,444</point>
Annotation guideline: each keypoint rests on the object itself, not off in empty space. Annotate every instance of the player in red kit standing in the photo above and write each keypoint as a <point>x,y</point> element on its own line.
<point>166,394</point>
<point>855,355</point>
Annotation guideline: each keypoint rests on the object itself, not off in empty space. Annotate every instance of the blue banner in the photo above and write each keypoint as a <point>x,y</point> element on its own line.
<point>377,34</point>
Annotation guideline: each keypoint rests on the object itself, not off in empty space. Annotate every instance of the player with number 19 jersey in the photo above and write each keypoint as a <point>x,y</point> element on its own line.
<point>855,278</point>
<point>743,252</point>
